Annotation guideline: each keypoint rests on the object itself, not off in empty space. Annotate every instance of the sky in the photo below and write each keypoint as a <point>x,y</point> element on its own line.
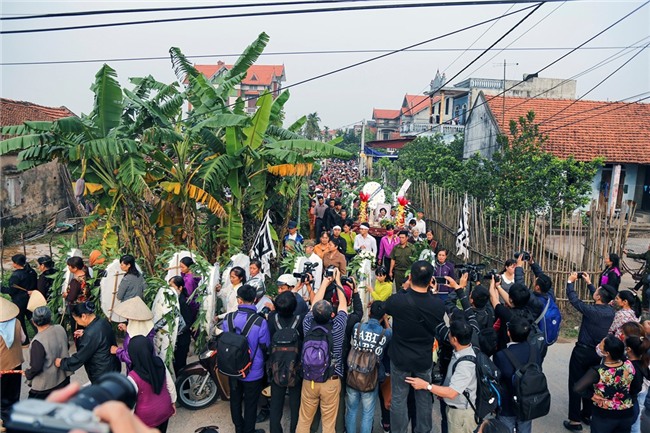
<point>347,97</point>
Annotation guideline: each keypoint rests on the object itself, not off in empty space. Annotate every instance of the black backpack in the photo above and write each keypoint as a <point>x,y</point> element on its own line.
<point>488,389</point>
<point>487,335</point>
<point>285,354</point>
<point>530,390</point>
<point>234,357</point>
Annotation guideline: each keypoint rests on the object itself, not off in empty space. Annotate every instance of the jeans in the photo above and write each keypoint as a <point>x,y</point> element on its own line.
<point>511,422</point>
<point>277,406</point>
<point>368,401</point>
<point>244,395</point>
<point>611,425</point>
<point>398,407</point>
<point>636,427</point>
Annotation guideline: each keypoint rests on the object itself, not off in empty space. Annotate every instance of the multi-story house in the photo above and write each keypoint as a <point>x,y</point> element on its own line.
<point>387,123</point>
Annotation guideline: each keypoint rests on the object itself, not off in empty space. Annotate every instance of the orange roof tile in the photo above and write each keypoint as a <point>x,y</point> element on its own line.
<point>619,132</point>
<point>378,113</point>
<point>413,104</point>
<point>17,112</point>
<point>258,75</point>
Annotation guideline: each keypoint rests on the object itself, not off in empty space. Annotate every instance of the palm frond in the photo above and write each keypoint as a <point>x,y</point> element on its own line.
<point>283,134</point>
<point>299,169</point>
<point>255,133</point>
<point>232,229</point>
<point>277,107</point>
<point>249,56</point>
<point>202,196</point>
<point>107,110</point>
<point>182,67</point>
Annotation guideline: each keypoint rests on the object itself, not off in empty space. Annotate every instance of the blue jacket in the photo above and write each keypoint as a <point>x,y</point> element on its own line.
<point>259,340</point>
<point>521,351</point>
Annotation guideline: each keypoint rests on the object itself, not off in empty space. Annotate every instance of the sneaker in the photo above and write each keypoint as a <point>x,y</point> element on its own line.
<point>573,427</point>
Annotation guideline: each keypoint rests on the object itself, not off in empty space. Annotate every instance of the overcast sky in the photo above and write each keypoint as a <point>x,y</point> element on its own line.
<point>343,98</point>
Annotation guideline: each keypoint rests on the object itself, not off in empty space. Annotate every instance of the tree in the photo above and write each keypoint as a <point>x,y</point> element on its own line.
<point>312,129</point>
<point>530,178</point>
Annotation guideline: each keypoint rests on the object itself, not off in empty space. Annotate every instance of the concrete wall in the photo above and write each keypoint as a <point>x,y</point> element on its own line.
<point>32,195</point>
<point>480,133</point>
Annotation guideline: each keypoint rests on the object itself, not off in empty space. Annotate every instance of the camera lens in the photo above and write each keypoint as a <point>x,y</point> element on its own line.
<point>111,386</point>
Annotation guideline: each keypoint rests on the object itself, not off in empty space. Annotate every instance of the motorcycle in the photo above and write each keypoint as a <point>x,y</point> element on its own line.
<point>199,383</point>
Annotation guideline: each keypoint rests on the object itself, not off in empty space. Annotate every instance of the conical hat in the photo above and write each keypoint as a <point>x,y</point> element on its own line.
<point>8,310</point>
<point>134,309</point>
<point>36,299</point>
<point>139,327</point>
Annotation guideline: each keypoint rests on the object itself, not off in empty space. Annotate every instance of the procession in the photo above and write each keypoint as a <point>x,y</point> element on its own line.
<point>325,217</point>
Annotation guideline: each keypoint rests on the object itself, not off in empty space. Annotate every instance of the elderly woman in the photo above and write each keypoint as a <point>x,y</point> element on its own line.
<point>140,322</point>
<point>11,355</point>
<point>49,343</point>
<point>93,344</point>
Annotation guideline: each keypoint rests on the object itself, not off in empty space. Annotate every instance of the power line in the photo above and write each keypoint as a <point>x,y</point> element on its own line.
<point>561,57</point>
<point>298,53</point>
<point>598,84</point>
<point>171,9</point>
<point>516,39</point>
<point>335,71</point>
<point>273,13</point>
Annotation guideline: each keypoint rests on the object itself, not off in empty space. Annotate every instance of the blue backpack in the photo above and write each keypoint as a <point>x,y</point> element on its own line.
<point>317,357</point>
<point>549,321</point>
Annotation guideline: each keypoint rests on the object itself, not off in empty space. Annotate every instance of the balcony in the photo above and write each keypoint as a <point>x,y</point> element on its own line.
<point>410,129</point>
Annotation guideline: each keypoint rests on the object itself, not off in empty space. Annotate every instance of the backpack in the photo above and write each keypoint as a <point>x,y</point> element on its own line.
<point>530,390</point>
<point>285,354</point>
<point>536,337</point>
<point>234,356</point>
<point>363,364</point>
<point>549,321</point>
<point>317,356</point>
<point>488,389</point>
<point>487,335</point>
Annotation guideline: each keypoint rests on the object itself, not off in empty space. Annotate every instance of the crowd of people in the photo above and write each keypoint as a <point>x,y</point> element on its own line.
<point>337,173</point>
<point>429,334</point>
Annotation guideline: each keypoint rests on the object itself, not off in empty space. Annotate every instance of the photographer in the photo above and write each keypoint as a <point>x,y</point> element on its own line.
<point>289,283</point>
<point>543,286</point>
<point>333,257</point>
<point>316,266</point>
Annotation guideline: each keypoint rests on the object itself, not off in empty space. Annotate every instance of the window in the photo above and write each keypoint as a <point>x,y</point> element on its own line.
<point>385,135</point>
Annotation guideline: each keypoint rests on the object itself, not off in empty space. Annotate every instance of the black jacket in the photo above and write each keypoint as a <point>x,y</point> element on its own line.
<point>20,281</point>
<point>94,351</point>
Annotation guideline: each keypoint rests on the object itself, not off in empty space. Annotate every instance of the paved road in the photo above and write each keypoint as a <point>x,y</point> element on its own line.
<point>555,366</point>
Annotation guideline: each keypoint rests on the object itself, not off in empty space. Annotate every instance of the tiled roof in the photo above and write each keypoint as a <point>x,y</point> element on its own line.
<point>619,132</point>
<point>17,112</point>
<point>258,75</point>
<point>413,104</point>
<point>378,113</point>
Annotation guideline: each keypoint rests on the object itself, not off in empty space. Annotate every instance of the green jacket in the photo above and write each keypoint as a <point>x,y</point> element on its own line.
<point>644,256</point>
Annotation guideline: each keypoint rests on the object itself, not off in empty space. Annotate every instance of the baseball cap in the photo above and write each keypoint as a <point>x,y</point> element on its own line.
<point>287,279</point>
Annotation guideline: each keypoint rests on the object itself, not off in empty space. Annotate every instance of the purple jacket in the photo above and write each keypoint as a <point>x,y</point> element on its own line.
<point>259,340</point>
<point>444,270</point>
<point>386,246</point>
<point>123,352</point>
<point>191,283</point>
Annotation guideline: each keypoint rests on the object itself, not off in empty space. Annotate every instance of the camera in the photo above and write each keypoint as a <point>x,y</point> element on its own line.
<point>581,274</point>
<point>329,272</point>
<point>307,269</point>
<point>33,415</point>
<point>440,280</point>
<point>265,311</point>
<point>525,255</point>
<point>474,270</point>
<point>493,273</point>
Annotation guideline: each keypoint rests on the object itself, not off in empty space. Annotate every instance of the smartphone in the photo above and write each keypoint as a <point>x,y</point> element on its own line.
<point>441,280</point>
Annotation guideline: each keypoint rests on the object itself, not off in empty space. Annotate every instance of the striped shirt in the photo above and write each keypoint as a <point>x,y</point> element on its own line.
<point>338,335</point>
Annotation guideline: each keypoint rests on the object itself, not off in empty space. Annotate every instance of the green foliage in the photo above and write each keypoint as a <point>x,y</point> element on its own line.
<point>312,129</point>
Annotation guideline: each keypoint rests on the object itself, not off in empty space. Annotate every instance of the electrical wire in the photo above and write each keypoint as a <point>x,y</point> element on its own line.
<point>272,13</point>
<point>295,53</point>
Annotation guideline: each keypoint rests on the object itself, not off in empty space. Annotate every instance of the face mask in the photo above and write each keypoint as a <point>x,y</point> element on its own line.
<point>389,232</point>
<point>600,352</point>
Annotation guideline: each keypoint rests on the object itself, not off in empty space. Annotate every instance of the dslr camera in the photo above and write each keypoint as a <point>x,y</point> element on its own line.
<point>307,269</point>
<point>329,272</point>
<point>474,270</point>
<point>525,255</point>
<point>493,273</point>
<point>33,415</point>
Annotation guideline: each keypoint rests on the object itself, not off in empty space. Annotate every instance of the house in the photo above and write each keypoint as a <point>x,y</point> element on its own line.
<point>259,79</point>
<point>415,115</point>
<point>387,123</point>
<point>618,132</point>
<point>460,96</point>
<point>29,197</point>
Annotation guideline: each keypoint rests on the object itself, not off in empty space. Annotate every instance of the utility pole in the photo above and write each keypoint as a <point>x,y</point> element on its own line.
<point>503,108</point>
<point>362,154</point>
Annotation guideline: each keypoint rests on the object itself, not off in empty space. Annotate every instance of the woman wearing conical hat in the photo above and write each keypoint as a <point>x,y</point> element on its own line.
<point>11,355</point>
<point>140,322</point>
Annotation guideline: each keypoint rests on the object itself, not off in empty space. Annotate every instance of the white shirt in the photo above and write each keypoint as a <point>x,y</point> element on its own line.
<point>368,242</point>
<point>421,225</point>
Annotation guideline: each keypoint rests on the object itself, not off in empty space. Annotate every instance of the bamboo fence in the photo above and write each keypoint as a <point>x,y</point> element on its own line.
<point>561,244</point>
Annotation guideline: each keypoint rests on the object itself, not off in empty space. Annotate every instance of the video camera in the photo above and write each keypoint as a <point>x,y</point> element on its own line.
<point>33,415</point>
<point>493,273</point>
<point>474,270</point>
<point>525,255</point>
<point>307,269</point>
